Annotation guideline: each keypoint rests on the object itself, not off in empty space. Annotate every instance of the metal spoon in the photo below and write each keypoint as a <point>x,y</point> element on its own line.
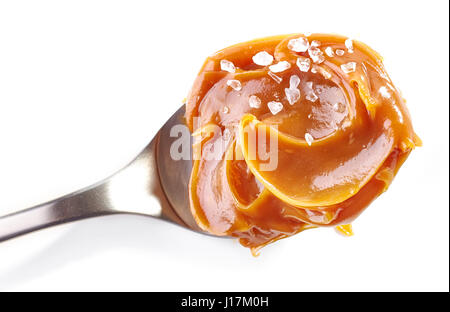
<point>153,184</point>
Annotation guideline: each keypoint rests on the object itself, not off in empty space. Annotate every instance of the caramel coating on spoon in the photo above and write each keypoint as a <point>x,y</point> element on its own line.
<point>341,128</point>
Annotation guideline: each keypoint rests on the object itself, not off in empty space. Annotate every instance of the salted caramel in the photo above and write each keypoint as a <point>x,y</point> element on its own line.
<point>293,132</point>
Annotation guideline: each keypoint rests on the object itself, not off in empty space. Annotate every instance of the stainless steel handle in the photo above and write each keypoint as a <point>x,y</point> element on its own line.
<point>84,204</point>
<point>136,189</point>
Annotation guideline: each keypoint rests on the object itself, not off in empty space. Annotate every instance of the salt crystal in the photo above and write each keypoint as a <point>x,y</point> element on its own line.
<point>314,69</point>
<point>294,81</point>
<point>262,58</point>
<point>329,51</point>
<point>292,95</point>
<point>227,66</point>
<point>307,34</point>
<point>303,64</point>
<point>348,68</point>
<point>279,67</point>
<point>309,84</point>
<point>226,110</point>
<point>349,45</point>
<point>315,43</point>
<point>340,52</point>
<point>309,139</point>
<point>234,84</point>
<point>318,59</point>
<point>311,96</point>
<point>298,45</point>
<point>316,55</point>
<point>275,107</point>
<point>384,92</point>
<point>254,101</point>
<point>277,79</point>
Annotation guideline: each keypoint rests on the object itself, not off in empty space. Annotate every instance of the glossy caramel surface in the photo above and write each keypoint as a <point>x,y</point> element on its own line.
<point>340,129</point>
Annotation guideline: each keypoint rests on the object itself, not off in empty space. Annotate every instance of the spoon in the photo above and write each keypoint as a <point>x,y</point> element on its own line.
<point>154,184</point>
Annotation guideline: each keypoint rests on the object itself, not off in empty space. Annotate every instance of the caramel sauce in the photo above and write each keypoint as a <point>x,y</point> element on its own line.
<point>342,131</point>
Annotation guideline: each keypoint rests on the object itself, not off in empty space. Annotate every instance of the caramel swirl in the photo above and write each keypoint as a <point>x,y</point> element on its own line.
<point>340,127</point>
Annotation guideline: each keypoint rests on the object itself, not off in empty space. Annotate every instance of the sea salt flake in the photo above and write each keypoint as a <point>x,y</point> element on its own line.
<point>298,44</point>
<point>234,84</point>
<point>225,110</point>
<point>262,58</point>
<point>349,67</point>
<point>316,55</point>
<point>304,64</point>
<point>309,85</point>
<point>308,138</point>
<point>227,66</point>
<point>340,52</point>
<point>254,101</point>
<point>349,45</point>
<point>280,67</point>
<point>277,79</point>
<point>315,43</point>
<point>292,95</point>
<point>318,59</point>
<point>294,81</point>
<point>329,51</point>
<point>275,107</point>
<point>384,92</point>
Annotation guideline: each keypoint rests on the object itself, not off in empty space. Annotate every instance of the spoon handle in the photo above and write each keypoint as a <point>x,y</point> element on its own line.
<point>79,205</point>
<point>136,189</point>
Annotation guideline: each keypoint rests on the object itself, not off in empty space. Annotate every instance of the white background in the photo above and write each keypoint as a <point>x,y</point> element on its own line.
<point>84,85</point>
